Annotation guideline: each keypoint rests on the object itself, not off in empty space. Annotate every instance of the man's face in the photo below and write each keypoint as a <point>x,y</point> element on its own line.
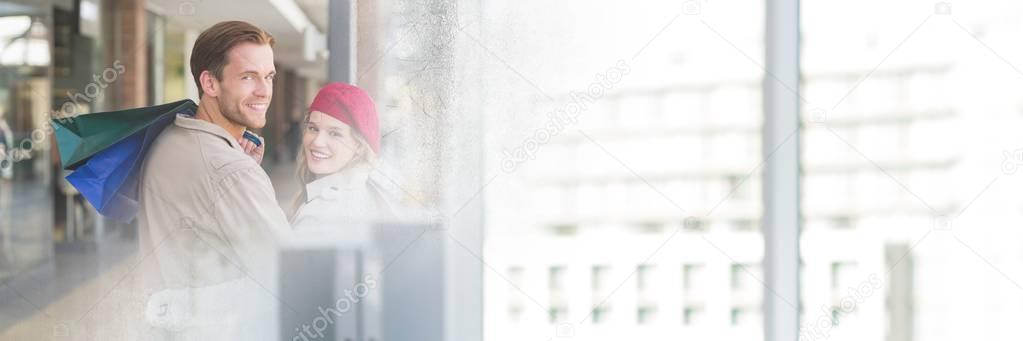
<point>247,85</point>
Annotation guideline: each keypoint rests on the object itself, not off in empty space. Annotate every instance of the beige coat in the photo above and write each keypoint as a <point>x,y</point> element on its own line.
<point>344,205</point>
<point>209,230</point>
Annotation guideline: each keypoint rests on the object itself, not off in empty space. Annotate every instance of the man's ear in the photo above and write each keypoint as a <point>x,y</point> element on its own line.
<point>209,83</point>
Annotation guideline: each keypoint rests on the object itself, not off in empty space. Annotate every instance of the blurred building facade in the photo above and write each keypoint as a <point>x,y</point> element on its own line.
<point>642,220</point>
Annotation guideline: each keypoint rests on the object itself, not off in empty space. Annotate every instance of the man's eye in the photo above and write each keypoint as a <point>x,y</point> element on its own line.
<point>246,77</point>
<point>335,134</point>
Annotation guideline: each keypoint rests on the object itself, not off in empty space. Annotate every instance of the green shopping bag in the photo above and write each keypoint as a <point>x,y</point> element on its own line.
<point>81,137</point>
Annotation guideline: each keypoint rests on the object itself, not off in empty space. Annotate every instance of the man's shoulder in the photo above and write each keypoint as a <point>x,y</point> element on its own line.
<point>194,152</point>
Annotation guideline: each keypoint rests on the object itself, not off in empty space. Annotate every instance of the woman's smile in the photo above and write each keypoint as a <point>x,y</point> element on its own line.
<point>318,155</point>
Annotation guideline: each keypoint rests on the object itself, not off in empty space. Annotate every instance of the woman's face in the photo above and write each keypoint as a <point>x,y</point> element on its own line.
<point>328,143</point>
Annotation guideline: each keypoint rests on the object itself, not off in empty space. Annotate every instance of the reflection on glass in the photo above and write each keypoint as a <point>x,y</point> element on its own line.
<point>31,48</point>
<point>26,200</point>
<point>625,154</point>
<point>911,228</point>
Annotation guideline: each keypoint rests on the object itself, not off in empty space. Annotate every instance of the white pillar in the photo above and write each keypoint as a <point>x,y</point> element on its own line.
<point>158,62</point>
<point>191,91</point>
<point>781,171</point>
<point>340,41</point>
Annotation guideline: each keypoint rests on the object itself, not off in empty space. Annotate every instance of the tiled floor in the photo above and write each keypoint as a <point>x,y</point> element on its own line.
<point>34,293</point>
<point>46,299</point>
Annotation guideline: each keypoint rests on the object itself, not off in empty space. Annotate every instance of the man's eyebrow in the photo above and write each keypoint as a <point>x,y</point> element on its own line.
<point>257,72</point>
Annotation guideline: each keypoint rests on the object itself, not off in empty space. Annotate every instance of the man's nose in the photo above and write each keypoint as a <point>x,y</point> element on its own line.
<point>264,88</point>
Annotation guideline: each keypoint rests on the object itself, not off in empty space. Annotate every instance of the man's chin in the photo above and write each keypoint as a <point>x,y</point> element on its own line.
<point>256,123</point>
<point>247,119</point>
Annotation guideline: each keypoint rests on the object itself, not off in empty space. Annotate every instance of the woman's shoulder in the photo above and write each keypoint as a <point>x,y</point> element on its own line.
<point>386,199</point>
<point>336,206</point>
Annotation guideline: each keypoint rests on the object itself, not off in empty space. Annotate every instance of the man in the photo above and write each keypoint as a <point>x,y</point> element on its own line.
<point>209,220</point>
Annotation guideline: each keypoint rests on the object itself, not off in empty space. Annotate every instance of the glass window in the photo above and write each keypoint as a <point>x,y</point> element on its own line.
<point>692,316</point>
<point>27,170</point>
<point>910,131</point>
<point>599,277</point>
<point>692,276</point>
<point>662,112</point>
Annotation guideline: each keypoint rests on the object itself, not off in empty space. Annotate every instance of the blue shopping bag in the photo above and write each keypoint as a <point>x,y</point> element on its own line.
<point>109,178</point>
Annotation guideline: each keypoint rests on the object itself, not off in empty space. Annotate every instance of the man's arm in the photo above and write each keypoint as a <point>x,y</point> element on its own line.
<point>251,222</point>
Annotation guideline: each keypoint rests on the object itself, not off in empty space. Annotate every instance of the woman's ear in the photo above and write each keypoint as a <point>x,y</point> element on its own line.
<point>363,150</point>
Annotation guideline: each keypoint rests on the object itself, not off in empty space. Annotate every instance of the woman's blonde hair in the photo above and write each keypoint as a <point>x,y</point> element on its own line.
<point>363,155</point>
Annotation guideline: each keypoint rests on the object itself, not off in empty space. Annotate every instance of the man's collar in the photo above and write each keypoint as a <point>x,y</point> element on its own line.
<point>190,122</point>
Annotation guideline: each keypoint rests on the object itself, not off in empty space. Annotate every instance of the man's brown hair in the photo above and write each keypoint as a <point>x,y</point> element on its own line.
<point>211,48</point>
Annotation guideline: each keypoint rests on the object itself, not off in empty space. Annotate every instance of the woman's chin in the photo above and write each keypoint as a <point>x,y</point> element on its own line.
<point>318,169</point>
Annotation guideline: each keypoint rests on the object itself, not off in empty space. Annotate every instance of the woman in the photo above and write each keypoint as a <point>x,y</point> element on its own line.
<point>338,154</point>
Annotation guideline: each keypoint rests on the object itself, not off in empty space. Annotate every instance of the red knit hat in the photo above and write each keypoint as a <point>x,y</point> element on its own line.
<point>351,105</point>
